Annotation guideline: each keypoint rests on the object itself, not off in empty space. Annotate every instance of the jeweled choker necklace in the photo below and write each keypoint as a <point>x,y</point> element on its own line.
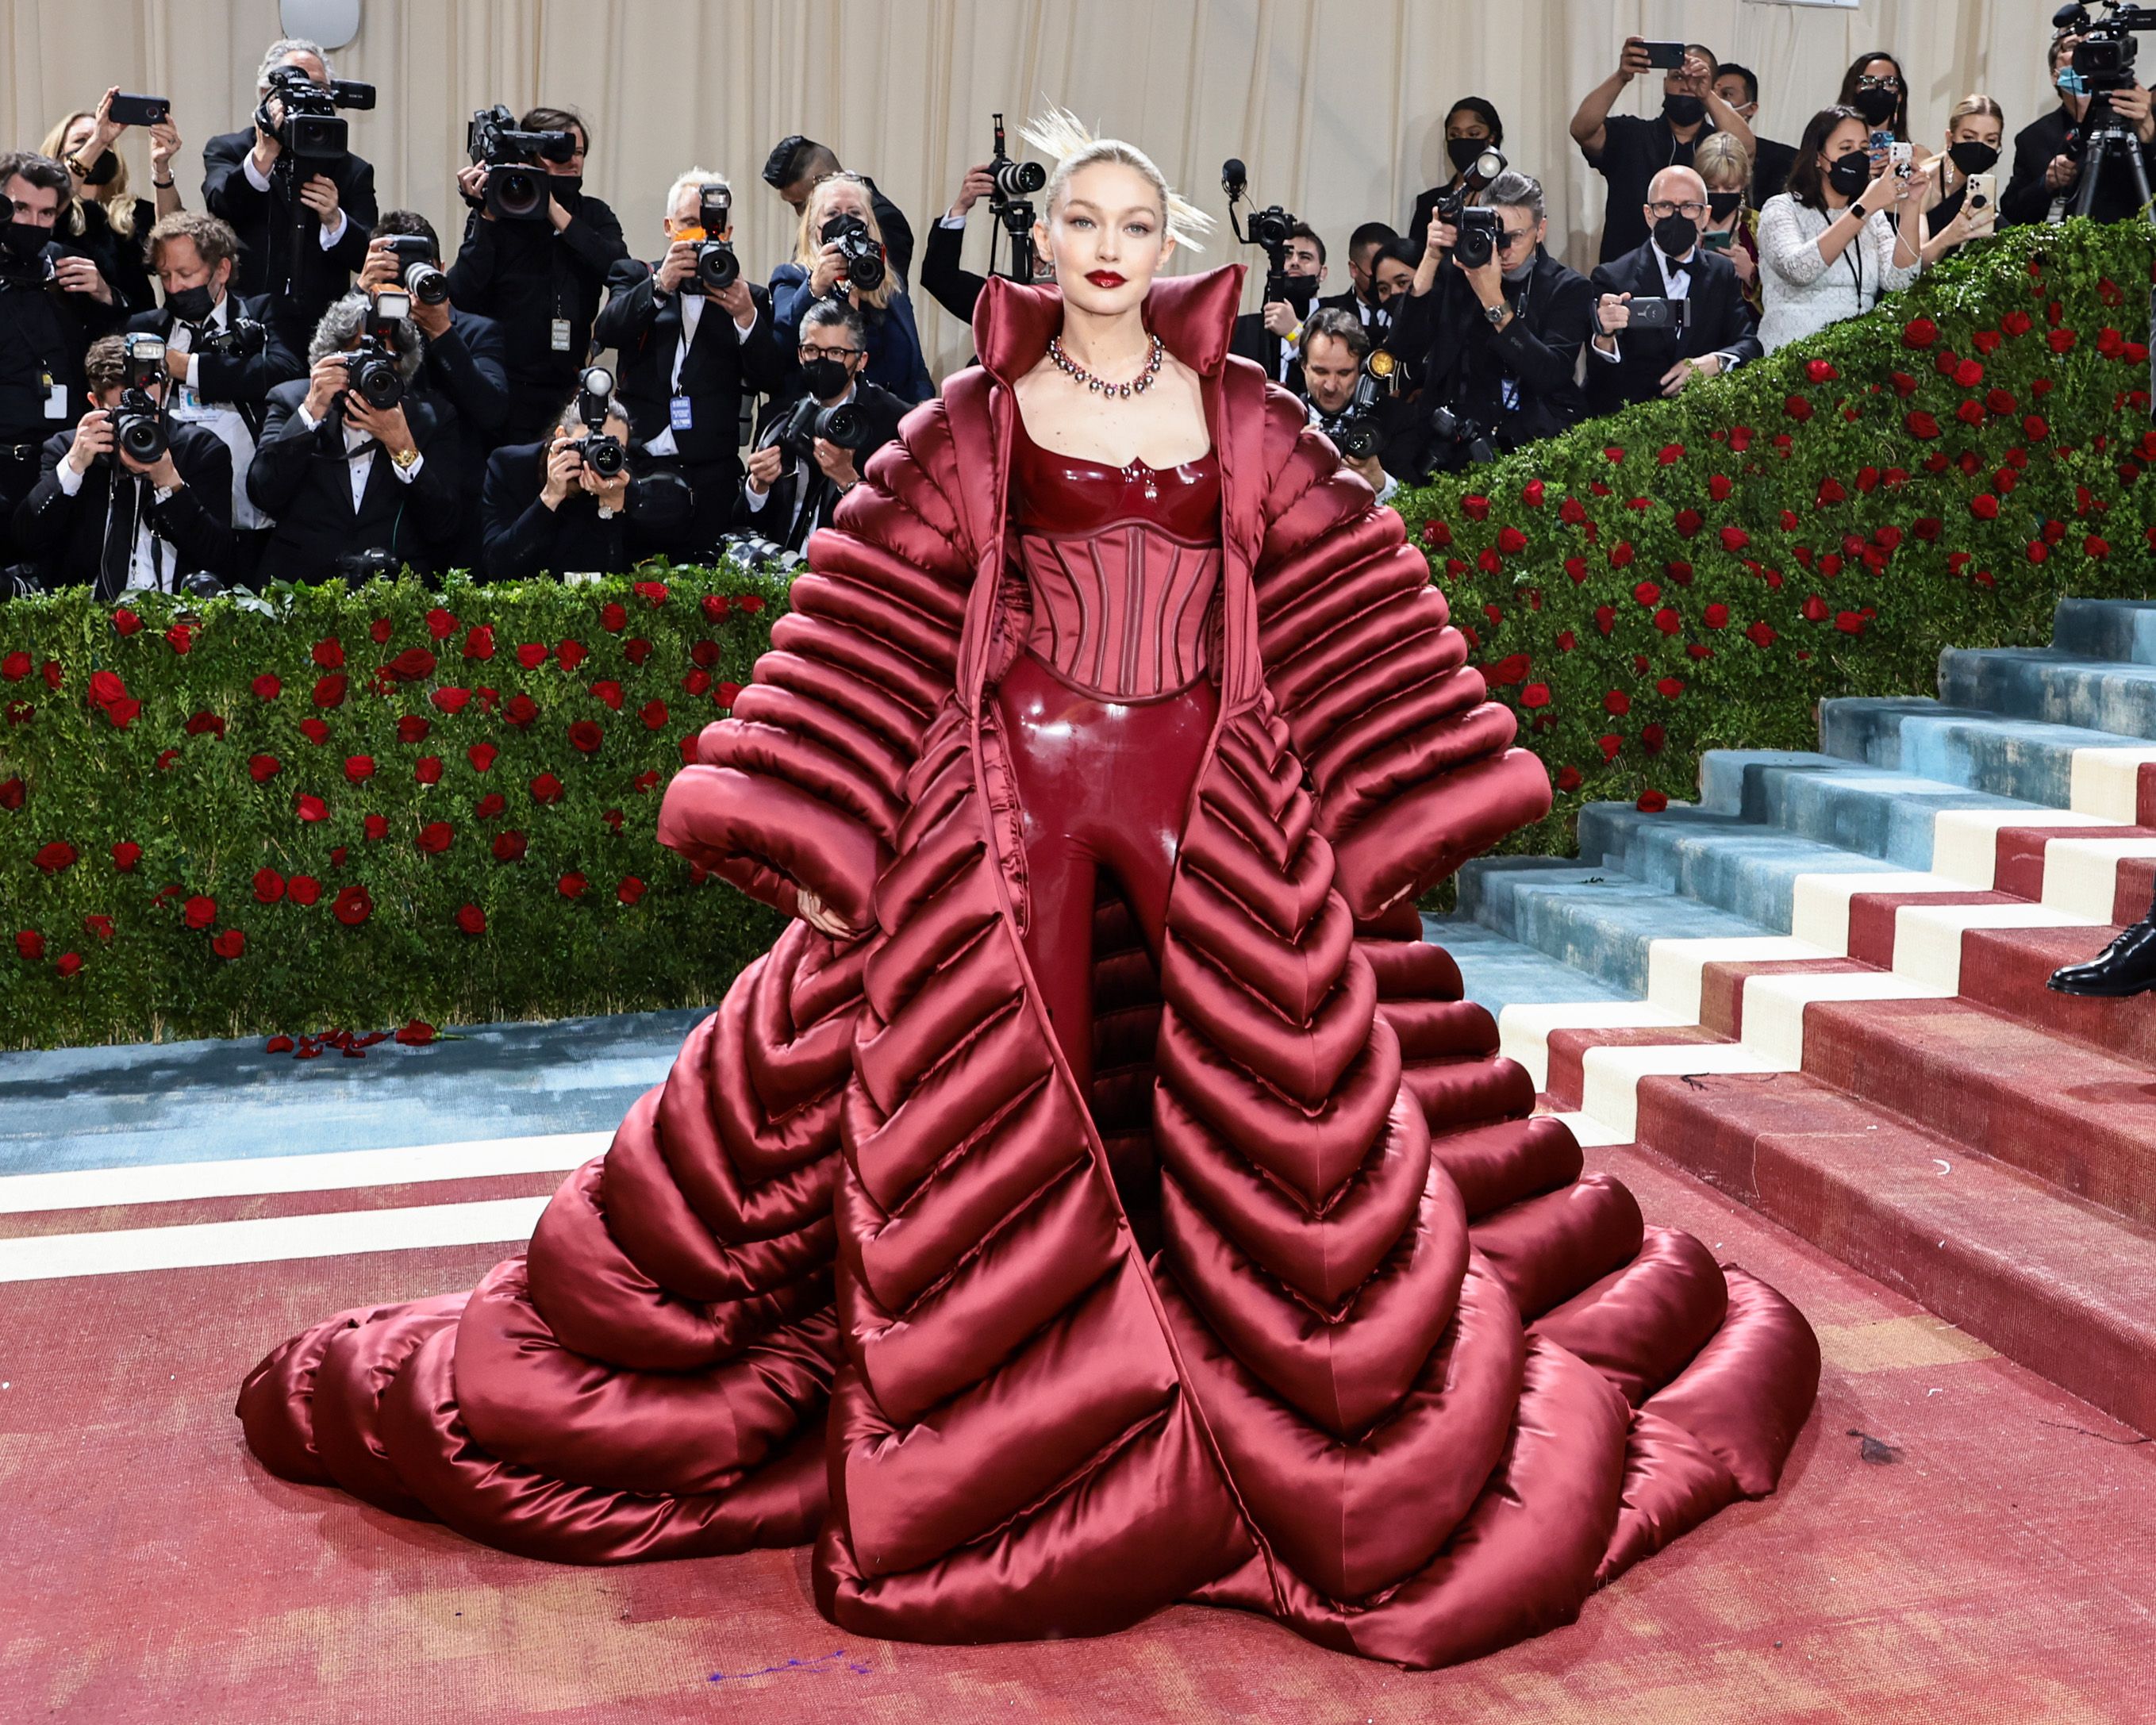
<point>1078,374</point>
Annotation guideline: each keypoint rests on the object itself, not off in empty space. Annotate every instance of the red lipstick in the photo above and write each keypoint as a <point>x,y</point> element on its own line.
<point>1104,279</point>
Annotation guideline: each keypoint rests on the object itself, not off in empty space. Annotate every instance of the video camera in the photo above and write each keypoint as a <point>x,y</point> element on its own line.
<point>372,366</point>
<point>517,188</point>
<point>308,127</point>
<point>1271,228</point>
<point>604,453</point>
<point>718,267</point>
<point>862,256</point>
<point>2104,56</point>
<point>138,422</point>
<point>1012,185</point>
<point>422,276</point>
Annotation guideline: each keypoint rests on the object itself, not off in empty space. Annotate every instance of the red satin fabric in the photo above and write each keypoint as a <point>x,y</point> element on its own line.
<point>1133,1211</point>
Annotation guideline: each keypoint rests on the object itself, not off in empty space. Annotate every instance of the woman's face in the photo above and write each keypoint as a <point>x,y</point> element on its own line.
<point>1882,73</point>
<point>1850,137</point>
<point>1977,129</point>
<point>1465,123</point>
<point>1108,237</point>
<point>1722,185</point>
<point>842,197</point>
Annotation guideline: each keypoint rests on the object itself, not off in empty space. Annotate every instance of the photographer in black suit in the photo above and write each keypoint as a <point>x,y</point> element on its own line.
<point>1715,331</point>
<point>783,498</point>
<point>462,378</point>
<point>1341,400</point>
<point>792,169</point>
<point>546,509</point>
<point>300,243</point>
<point>689,353</point>
<point>1270,335</point>
<point>540,280</point>
<point>98,515</point>
<point>1365,296</point>
<point>355,490</point>
<point>1496,344</point>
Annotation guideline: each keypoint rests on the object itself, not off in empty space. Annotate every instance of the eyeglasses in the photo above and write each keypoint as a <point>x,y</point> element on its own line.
<point>1515,237</point>
<point>811,352</point>
<point>1665,208</point>
<point>1886,80</point>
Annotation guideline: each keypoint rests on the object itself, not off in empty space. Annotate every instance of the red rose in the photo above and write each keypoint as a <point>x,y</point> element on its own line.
<point>267,686</point>
<point>1919,332</point>
<point>1716,617</point>
<point>654,715</point>
<point>1798,408</point>
<point>1476,508</point>
<point>481,756</point>
<point>1655,802</point>
<point>1735,539</point>
<point>479,642</point>
<point>1532,494</point>
<point>531,654</point>
<point>126,622</point>
<point>1820,370</point>
<point>68,963</point>
<point>229,943</point>
<point>100,925</point>
<point>411,728</point>
<point>15,666</point>
<point>1689,522</point>
<point>1621,555</point>
<point>1534,695</point>
<point>262,768</point>
<point>1967,373</point>
<point>1669,688</point>
<point>1651,738</point>
<point>109,695</point>
<point>613,818</point>
<point>509,846</point>
<point>440,624</point>
<point>687,745</point>
<point>30,944</point>
<point>1667,620</point>
<point>748,602</point>
<point>585,736</point>
<point>2096,547</point>
<point>1511,540</point>
<point>636,651</point>
<point>521,710</point>
<point>1610,743</point>
<point>375,827</point>
<point>649,781</point>
<point>12,793</point>
<point>310,807</point>
<point>379,631</point>
<point>435,837</point>
<point>353,907</point>
<point>489,806</point>
<point>1760,635</point>
<point>726,694</point>
<point>607,692</point>
<point>471,919</point>
<point>1617,703</point>
<point>1815,609</point>
<point>315,731</point>
<point>124,856</point>
<point>359,768</point>
<point>1489,561</point>
<point>652,592</point>
<point>1506,671</point>
<point>1568,779</point>
<point>418,1033</point>
<point>1436,533</point>
<point>1830,491</point>
<point>268,885</point>
<point>428,769</point>
<point>1984,506</point>
<point>1970,413</point>
<point>630,889</point>
<point>2061,341</point>
<point>180,638</point>
<point>1577,568</point>
<point>546,788</point>
<point>412,664</point>
<point>1606,618</point>
<point>304,889</point>
<point>571,654</point>
<point>329,690</point>
<point>572,885</point>
<point>1646,592</point>
<point>55,856</point>
<point>329,653</point>
<point>199,911</point>
<point>1571,511</point>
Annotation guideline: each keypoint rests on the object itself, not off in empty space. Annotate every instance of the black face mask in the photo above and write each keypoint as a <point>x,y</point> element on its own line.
<point>102,170</point>
<point>1676,235</point>
<point>825,377</point>
<point>1684,110</point>
<point>1301,290</point>
<point>1723,205</point>
<point>1851,174</point>
<point>837,225</point>
<point>1464,150</point>
<point>21,241</point>
<point>568,189</point>
<point>1878,106</point>
<point>1973,157</point>
<point>190,305</point>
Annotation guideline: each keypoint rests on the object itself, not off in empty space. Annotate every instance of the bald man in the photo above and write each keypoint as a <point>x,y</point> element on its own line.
<point>1702,326</point>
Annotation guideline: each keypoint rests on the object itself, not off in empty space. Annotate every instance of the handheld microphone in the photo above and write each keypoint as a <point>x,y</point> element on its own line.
<point>1233,179</point>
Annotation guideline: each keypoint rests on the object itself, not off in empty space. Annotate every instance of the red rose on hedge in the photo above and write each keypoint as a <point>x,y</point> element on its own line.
<point>303,889</point>
<point>359,768</point>
<point>441,625</point>
<point>1436,533</point>
<point>2061,341</point>
<point>15,666</point>
<point>471,919</point>
<point>329,690</point>
<point>585,736</point>
<point>531,654</point>
<point>124,856</point>
<point>411,728</point>
<point>630,890</point>
<point>1689,522</point>
<point>607,692</point>
<point>328,654</point>
<point>1919,332</point>
<point>375,827</point>
<point>109,695</point>
<point>353,907</point>
<point>1476,508</point>
<point>636,651</point>
<point>68,963</point>
<point>509,846</point>
<point>479,641</point>
<point>31,945</point>
<point>199,912</point>
<point>546,788</point>
<point>1617,703</point>
<point>572,885</point>
<point>230,943</point>
<point>652,592</point>
<point>1798,408</point>
<point>268,885</point>
<point>1761,635</point>
<point>1535,695</point>
<point>571,654</point>
<point>412,664</point>
<point>55,856</point>
<point>12,793</point>
<point>1734,539</point>
<point>2096,547</point>
<point>1967,373</point>
<point>180,638</point>
<point>310,807</point>
<point>126,622</point>
<point>262,768</point>
<point>1511,540</point>
<point>653,714</point>
<point>521,710</point>
<point>613,617</point>
<point>428,769</point>
<point>481,755</point>
<point>1568,779</point>
<point>489,806</point>
<point>435,837</point>
<point>748,602</point>
<point>1984,506</point>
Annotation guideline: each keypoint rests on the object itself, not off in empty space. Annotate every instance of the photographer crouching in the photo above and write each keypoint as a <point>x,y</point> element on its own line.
<point>694,338</point>
<point>129,501</point>
<point>1373,430</point>
<point>811,442</point>
<point>1493,327</point>
<point>358,473</point>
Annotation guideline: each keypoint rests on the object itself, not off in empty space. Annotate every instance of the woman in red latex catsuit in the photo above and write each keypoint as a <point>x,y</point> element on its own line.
<point>1100,1197</point>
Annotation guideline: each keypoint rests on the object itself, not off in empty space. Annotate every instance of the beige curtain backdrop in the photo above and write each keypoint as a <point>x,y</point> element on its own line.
<point>1336,105</point>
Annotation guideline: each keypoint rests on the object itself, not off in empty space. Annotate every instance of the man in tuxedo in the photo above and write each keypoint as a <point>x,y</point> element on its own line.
<point>782,498</point>
<point>688,354</point>
<point>546,509</point>
<point>1715,331</point>
<point>1334,345</point>
<point>462,377</point>
<point>1363,297</point>
<point>1271,335</point>
<point>794,166</point>
<point>98,515</point>
<point>355,490</point>
<point>303,226</point>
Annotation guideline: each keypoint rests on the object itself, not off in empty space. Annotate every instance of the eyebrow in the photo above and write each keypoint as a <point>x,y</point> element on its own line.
<point>1086,203</point>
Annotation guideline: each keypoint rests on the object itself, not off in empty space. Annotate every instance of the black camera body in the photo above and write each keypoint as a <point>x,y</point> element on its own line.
<point>239,339</point>
<point>139,429</point>
<point>1011,187</point>
<point>1458,441</point>
<point>718,268</point>
<point>1270,229</point>
<point>372,367</point>
<point>517,188</point>
<point>603,453</point>
<point>310,128</point>
<point>423,278</point>
<point>1354,430</point>
<point>844,425</point>
<point>1474,243</point>
<point>2105,55</point>
<point>862,256</point>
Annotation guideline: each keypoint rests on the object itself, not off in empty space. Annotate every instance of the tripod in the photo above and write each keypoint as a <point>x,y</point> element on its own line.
<point>2105,138</point>
<point>1014,217</point>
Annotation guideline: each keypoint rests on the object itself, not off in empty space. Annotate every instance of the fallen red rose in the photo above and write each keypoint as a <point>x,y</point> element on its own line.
<point>418,1033</point>
<point>1655,802</point>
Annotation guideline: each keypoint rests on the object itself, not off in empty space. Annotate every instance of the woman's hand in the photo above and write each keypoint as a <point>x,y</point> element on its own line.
<point>817,915</point>
<point>830,266</point>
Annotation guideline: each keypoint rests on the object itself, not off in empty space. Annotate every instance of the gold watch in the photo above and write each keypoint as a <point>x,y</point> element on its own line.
<point>403,458</point>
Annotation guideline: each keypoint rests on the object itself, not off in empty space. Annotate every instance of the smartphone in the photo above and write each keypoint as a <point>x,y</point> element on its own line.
<point>1899,156</point>
<point>140,109</point>
<point>1656,313</point>
<point>1979,194</point>
<point>1717,239</point>
<point>1880,143</point>
<point>1665,56</point>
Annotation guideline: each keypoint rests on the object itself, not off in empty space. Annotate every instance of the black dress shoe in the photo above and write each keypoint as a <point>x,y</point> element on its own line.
<point>2127,966</point>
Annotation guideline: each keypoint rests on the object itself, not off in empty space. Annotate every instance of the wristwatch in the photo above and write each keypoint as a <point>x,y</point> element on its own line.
<point>403,458</point>
<point>1496,314</point>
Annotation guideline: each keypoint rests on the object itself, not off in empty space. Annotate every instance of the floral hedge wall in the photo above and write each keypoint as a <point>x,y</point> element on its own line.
<point>354,807</point>
<point>1699,573</point>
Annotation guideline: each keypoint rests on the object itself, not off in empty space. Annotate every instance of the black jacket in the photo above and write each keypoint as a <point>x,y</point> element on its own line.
<point>462,379</point>
<point>65,535</point>
<point>643,327</point>
<point>269,228</point>
<point>1770,170</point>
<point>1716,320</point>
<point>776,521</point>
<point>944,279</point>
<point>2026,198</point>
<point>301,478</point>
<point>245,384</point>
<point>119,260</point>
<point>897,231</point>
<point>523,538</point>
<point>523,275</point>
<point>1463,362</point>
<point>44,331</point>
<point>1253,341</point>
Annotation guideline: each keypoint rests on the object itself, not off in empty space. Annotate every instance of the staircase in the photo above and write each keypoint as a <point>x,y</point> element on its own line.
<point>1820,989</point>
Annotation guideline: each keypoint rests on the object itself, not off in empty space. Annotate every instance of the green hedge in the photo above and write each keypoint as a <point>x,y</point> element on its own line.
<point>1699,573</point>
<point>349,808</point>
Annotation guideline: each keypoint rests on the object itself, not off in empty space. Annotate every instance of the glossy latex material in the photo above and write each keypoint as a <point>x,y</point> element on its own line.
<point>1288,1306</point>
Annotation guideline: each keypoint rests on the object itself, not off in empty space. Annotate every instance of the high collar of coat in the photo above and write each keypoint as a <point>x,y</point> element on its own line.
<point>1193,315</point>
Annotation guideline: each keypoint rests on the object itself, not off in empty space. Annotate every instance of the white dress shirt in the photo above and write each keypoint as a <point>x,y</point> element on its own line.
<point>223,420</point>
<point>692,314</point>
<point>359,450</point>
<point>151,563</point>
<point>1676,285</point>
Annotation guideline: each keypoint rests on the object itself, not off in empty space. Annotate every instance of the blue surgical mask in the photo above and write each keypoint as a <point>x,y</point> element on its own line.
<point>2071,83</point>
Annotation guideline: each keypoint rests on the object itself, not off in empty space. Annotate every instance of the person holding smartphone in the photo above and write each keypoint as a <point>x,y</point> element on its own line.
<point>1960,199</point>
<point>1732,225</point>
<point>1629,150</point>
<point>1847,231</point>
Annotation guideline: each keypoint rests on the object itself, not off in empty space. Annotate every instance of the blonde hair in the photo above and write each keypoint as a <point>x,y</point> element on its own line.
<point>1718,150</point>
<point>119,207</point>
<point>1061,134</point>
<point>1970,105</point>
<point>807,240</point>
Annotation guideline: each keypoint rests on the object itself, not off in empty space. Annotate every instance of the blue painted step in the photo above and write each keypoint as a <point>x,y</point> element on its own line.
<point>2026,759</point>
<point>2107,628</point>
<point>1878,813</point>
<point>2059,688</point>
<point>1498,972</point>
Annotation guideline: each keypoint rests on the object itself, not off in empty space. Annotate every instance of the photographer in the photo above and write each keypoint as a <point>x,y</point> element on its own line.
<point>787,493</point>
<point>355,490</point>
<point>795,166</point>
<point>1364,296</point>
<point>689,351</point>
<point>943,278</point>
<point>101,219</point>
<point>1471,125</point>
<point>222,354</point>
<point>1334,345</point>
<point>1495,342</point>
<point>1271,334</point>
<point>1739,86</point>
<point>2048,153</point>
<point>462,376</point>
<point>300,242</point>
<point>1713,329</point>
<point>99,515</point>
<point>1627,150</point>
<point>539,279</point>
<point>547,508</point>
<point>52,304</point>
<point>839,252</point>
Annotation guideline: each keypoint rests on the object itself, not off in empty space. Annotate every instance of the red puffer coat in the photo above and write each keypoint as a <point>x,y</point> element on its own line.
<point>1396,1373</point>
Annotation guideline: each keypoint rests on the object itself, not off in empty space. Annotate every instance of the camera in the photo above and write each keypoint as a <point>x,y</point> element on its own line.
<point>358,565</point>
<point>310,128</point>
<point>239,339</point>
<point>718,267</point>
<point>1011,185</point>
<point>2104,56</point>
<point>517,188</point>
<point>604,453</point>
<point>423,278</point>
<point>1480,174</point>
<point>1012,179</point>
<point>844,425</point>
<point>1270,229</point>
<point>1459,440</point>
<point>862,255</point>
<point>1475,241</point>
<point>371,366</point>
<point>138,422</point>
<point>1354,430</point>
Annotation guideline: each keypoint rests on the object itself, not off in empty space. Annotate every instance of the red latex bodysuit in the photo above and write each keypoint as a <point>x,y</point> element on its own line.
<point>1134,1211</point>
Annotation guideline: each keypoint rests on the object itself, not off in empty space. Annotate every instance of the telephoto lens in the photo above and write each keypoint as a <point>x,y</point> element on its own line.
<point>843,425</point>
<point>138,427</point>
<point>426,284</point>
